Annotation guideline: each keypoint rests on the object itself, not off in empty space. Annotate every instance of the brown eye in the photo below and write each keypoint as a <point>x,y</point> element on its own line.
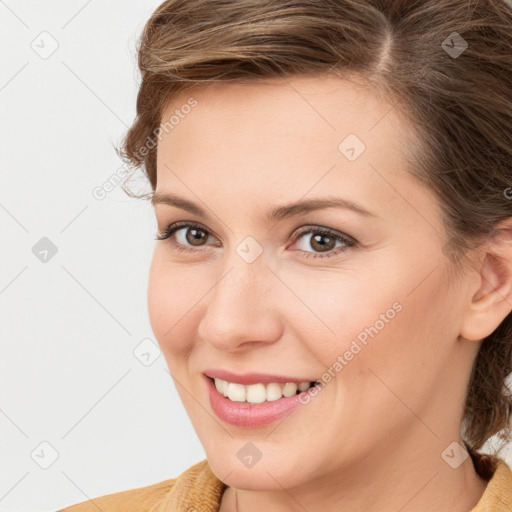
<point>195,236</point>
<point>184,235</point>
<point>323,241</point>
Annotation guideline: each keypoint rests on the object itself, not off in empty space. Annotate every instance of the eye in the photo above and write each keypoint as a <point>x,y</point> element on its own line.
<point>192,233</point>
<point>324,239</point>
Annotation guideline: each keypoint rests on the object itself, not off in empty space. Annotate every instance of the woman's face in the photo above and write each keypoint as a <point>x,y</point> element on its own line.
<point>253,293</point>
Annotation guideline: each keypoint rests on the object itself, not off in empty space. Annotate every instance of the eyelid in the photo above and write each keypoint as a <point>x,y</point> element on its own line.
<point>173,227</point>
<point>312,228</point>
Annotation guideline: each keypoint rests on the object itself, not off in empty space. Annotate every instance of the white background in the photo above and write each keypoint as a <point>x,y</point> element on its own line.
<point>69,325</point>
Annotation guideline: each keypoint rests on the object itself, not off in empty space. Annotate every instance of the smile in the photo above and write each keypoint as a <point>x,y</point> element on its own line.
<point>256,405</point>
<point>260,392</point>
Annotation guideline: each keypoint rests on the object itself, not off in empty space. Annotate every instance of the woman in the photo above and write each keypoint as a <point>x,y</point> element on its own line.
<point>331,284</point>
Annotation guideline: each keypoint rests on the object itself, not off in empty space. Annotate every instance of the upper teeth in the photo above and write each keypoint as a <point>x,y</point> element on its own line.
<point>258,393</point>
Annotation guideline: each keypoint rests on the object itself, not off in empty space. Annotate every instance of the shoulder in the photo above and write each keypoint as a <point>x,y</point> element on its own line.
<point>140,499</point>
<point>196,484</point>
<point>497,496</point>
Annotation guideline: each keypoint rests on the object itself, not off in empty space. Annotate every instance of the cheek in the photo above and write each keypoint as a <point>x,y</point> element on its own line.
<point>157,299</point>
<point>337,310</point>
<point>177,302</point>
<point>368,322</point>
<point>168,299</point>
<point>400,360</point>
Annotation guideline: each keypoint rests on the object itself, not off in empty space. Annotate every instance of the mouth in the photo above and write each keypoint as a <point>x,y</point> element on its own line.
<point>259,404</point>
<point>260,392</point>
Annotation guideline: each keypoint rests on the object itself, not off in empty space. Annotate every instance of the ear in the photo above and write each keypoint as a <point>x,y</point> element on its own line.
<point>491,297</point>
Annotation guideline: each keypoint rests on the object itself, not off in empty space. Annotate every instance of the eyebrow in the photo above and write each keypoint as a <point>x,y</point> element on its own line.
<point>276,213</point>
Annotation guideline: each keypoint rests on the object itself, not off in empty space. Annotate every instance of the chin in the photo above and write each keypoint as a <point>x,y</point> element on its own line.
<point>269,475</point>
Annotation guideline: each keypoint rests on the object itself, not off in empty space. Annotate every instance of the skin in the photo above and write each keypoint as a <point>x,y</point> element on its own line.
<point>372,439</point>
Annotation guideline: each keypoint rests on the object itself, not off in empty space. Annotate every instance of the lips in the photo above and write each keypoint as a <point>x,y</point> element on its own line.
<point>247,415</point>
<point>254,378</point>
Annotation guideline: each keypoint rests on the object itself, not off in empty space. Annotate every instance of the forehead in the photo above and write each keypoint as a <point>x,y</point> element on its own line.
<point>276,111</point>
<point>323,105</point>
<point>284,138</point>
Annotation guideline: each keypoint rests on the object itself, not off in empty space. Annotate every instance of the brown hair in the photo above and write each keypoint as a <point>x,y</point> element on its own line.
<point>457,98</point>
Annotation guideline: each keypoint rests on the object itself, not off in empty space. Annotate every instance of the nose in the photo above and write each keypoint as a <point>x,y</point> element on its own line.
<point>242,310</point>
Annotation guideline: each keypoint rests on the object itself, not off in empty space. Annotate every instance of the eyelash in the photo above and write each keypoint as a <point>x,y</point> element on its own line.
<point>349,242</point>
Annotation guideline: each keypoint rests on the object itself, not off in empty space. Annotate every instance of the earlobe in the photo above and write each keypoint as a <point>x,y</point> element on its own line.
<point>491,302</point>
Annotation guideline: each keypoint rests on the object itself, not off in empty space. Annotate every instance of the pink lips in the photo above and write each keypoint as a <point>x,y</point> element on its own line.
<point>253,378</point>
<point>244,414</point>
